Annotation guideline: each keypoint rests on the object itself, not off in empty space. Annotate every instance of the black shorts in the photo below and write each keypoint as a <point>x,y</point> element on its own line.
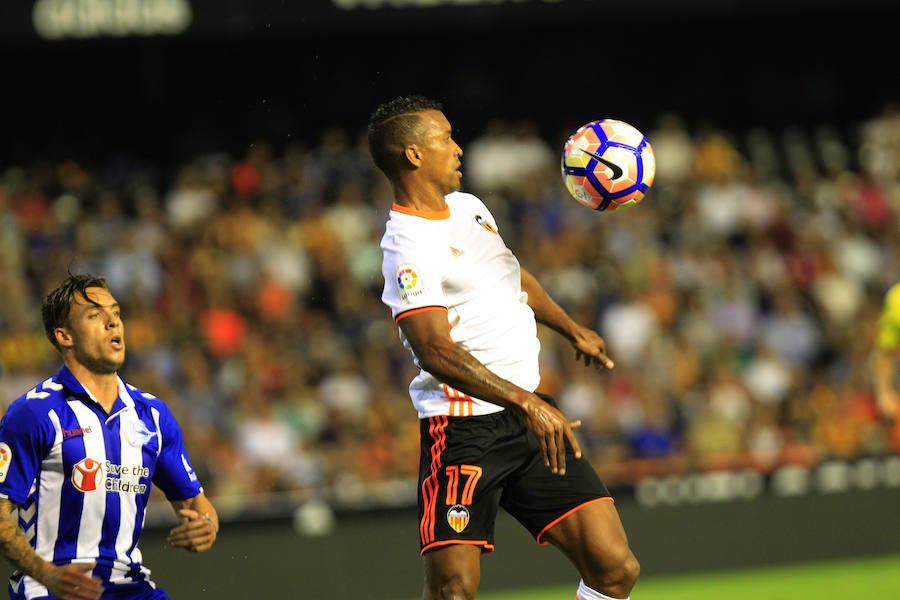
<point>471,465</point>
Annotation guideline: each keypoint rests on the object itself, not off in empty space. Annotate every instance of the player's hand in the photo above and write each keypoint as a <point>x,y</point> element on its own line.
<point>552,430</point>
<point>196,533</point>
<point>72,582</point>
<point>591,348</point>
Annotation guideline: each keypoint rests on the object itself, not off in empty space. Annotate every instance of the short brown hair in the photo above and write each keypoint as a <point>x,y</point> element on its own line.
<point>57,304</point>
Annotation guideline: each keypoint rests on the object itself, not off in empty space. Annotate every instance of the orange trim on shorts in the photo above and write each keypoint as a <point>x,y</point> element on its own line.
<point>485,546</point>
<point>561,517</point>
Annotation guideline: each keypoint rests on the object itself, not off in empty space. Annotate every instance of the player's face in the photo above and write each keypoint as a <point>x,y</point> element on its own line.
<point>96,334</point>
<point>441,153</point>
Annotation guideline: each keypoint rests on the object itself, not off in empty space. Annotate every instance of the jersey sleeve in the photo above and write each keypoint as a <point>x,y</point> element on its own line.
<point>888,336</point>
<point>25,439</point>
<point>413,274</point>
<point>174,474</point>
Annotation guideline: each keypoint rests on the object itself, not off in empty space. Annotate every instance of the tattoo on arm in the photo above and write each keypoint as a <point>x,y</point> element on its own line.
<point>463,371</point>
<point>14,545</point>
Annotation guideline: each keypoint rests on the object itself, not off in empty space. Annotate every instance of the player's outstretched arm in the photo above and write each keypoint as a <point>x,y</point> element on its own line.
<point>589,345</point>
<point>428,334</point>
<point>66,582</point>
<point>199,525</point>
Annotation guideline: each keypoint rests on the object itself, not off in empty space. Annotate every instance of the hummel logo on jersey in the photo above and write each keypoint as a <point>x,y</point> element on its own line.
<point>616,169</point>
<point>484,223</point>
<point>67,433</point>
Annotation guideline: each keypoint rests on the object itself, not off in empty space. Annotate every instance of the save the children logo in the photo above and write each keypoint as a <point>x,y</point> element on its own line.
<point>87,475</point>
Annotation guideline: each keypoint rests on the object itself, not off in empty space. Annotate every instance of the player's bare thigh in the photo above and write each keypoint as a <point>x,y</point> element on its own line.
<point>595,541</point>
<point>452,572</point>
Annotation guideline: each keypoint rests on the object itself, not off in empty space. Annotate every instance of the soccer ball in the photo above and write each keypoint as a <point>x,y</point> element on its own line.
<point>608,164</point>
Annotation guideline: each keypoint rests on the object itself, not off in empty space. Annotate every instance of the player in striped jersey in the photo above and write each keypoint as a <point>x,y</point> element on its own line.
<point>468,313</point>
<point>78,455</point>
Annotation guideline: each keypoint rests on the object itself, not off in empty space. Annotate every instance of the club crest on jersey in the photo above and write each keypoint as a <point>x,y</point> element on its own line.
<point>485,223</point>
<point>87,474</point>
<point>5,459</point>
<point>409,284</point>
<point>458,517</point>
<point>139,434</point>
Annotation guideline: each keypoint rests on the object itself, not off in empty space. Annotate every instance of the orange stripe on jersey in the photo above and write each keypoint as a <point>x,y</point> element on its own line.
<point>461,404</point>
<point>417,311</point>
<point>437,427</point>
<point>434,215</point>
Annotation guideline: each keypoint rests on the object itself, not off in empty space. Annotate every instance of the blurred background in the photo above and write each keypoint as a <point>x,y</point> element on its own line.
<point>208,157</point>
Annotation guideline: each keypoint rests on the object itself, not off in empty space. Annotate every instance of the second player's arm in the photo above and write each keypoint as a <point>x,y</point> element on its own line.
<point>67,581</point>
<point>428,334</point>
<point>199,526</point>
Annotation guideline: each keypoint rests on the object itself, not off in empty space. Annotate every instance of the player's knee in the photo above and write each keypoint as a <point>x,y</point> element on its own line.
<point>615,575</point>
<point>622,575</point>
<point>457,587</point>
<point>629,570</point>
<point>455,590</point>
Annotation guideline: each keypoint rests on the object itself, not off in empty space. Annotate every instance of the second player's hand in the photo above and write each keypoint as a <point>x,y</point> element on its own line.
<point>73,582</point>
<point>553,431</point>
<point>196,533</point>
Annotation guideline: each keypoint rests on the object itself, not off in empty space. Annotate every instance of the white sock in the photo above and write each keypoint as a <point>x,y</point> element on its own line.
<point>586,593</point>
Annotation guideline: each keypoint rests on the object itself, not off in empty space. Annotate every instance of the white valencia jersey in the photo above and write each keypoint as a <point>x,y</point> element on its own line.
<point>455,260</point>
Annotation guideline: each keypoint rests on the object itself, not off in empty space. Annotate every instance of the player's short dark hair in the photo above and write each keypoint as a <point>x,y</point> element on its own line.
<point>392,126</point>
<point>57,305</point>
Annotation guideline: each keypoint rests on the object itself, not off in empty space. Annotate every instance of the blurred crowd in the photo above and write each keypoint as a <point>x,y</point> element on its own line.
<point>739,300</point>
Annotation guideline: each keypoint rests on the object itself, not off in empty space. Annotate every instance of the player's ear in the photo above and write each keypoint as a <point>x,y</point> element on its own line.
<point>413,154</point>
<point>63,337</point>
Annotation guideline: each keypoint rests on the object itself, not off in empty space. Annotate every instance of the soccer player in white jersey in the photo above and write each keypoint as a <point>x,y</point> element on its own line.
<point>78,455</point>
<point>468,313</point>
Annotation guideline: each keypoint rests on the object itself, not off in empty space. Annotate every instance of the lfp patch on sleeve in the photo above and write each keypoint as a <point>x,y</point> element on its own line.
<point>5,460</point>
<point>409,284</point>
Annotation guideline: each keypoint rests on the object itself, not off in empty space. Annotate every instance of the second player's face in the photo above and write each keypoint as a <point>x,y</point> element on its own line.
<point>98,335</point>
<point>442,154</point>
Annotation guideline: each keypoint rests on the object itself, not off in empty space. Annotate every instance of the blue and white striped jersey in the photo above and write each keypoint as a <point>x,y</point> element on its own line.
<point>82,477</point>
